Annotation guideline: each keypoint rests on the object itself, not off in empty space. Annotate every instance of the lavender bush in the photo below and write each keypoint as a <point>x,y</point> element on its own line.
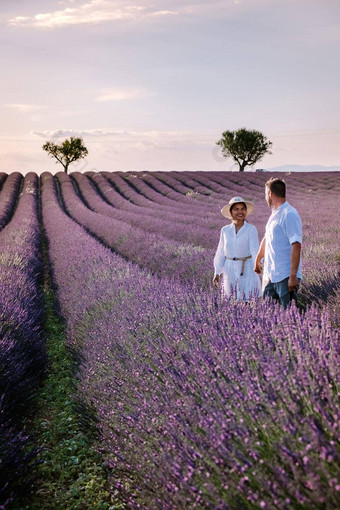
<point>151,210</point>
<point>163,257</point>
<point>184,183</point>
<point>176,226</point>
<point>208,410</point>
<point>127,191</point>
<point>142,186</point>
<point>201,178</point>
<point>3,177</point>
<point>8,197</point>
<point>22,352</point>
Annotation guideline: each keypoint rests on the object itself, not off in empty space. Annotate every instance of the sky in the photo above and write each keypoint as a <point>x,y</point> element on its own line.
<point>152,84</point>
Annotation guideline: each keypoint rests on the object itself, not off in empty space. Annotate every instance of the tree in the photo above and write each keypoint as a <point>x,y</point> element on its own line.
<point>69,151</point>
<point>244,146</point>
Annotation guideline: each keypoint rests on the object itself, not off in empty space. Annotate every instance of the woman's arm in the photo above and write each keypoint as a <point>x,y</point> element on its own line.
<point>219,260</point>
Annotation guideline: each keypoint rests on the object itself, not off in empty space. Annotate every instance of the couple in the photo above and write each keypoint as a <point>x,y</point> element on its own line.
<point>239,258</point>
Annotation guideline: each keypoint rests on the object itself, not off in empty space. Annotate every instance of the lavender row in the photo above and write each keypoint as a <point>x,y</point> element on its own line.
<point>22,351</point>
<point>136,192</point>
<point>195,215</point>
<point>136,189</point>
<point>228,182</point>
<point>195,181</point>
<point>8,197</point>
<point>200,406</point>
<point>202,231</point>
<point>327,182</point>
<point>184,184</point>
<point>320,251</point>
<point>200,403</point>
<point>169,181</point>
<point>202,178</point>
<point>190,187</point>
<point>147,187</point>
<point>3,177</point>
<point>200,207</point>
<point>150,209</point>
<point>152,251</point>
<point>119,194</point>
<point>185,196</point>
<point>73,252</point>
<point>192,232</point>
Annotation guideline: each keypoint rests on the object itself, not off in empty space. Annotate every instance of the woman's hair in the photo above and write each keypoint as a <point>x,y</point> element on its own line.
<point>277,186</point>
<point>237,203</point>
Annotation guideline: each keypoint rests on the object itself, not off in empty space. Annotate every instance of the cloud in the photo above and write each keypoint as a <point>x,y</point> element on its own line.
<point>100,11</point>
<point>120,140</point>
<point>64,133</point>
<point>120,94</point>
<point>95,11</point>
<point>122,133</point>
<point>25,108</point>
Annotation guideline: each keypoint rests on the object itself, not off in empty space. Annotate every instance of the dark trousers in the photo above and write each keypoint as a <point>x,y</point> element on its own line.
<point>279,292</point>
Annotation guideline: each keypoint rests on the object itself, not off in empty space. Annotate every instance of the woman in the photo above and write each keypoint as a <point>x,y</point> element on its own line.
<point>236,253</point>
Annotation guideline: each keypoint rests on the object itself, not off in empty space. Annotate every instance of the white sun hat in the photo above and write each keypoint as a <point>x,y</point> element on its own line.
<point>226,209</point>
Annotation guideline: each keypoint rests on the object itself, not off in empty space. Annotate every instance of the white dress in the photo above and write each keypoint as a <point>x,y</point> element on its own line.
<point>242,244</point>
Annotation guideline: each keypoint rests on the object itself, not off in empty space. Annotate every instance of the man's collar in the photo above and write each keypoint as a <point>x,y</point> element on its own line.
<point>280,206</point>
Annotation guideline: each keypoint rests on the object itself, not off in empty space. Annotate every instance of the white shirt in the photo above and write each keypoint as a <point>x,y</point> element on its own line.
<point>242,244</point>
<point>284,228</point>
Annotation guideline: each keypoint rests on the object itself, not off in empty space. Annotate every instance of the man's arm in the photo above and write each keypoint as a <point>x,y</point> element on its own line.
<point>259,257</point>
<point>293,281</point>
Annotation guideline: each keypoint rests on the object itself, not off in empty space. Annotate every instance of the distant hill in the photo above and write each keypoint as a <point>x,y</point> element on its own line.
<point>304,168</point>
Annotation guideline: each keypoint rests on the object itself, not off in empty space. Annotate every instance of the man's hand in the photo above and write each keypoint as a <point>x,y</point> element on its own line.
<point>293,283</point>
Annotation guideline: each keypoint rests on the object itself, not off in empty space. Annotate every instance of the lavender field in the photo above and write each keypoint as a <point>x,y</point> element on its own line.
<point>196,401</point>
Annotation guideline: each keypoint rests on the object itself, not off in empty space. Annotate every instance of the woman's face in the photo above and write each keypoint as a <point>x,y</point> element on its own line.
<point>238,212</point>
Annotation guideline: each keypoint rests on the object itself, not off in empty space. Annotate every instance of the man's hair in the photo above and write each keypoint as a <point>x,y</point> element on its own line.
<point>277,186</point>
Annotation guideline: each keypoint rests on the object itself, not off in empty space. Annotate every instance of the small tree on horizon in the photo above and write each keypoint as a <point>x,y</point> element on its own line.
<point>66,153</point>
<point>246,147</point>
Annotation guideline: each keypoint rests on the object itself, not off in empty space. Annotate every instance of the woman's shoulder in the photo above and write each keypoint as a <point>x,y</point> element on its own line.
<point>250,226</point>
<point>226,228</point>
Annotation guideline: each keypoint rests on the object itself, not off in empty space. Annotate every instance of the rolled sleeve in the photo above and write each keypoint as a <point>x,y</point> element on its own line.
<point>295,239</point>
<point>292,227</point>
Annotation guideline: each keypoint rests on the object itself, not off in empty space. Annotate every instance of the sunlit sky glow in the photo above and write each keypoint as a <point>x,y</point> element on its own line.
<point>151,85</point>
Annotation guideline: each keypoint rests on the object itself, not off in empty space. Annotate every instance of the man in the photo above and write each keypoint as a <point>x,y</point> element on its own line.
<point>280,247</point>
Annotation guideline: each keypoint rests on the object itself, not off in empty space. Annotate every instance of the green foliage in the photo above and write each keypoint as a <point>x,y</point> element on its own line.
<point>69,472</point>
<point>246,147</point>
<point>69,151</point>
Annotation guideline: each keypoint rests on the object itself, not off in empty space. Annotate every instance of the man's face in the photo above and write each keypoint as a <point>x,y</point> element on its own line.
<point>269,197</point>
